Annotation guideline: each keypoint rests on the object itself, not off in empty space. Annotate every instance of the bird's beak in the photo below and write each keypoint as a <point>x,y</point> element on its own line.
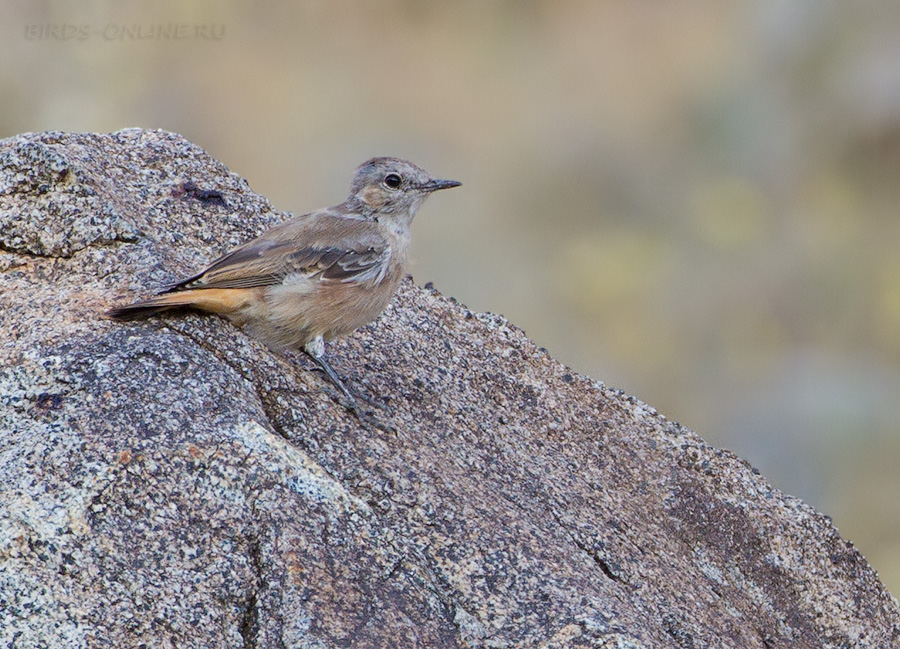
<point>434,185</point>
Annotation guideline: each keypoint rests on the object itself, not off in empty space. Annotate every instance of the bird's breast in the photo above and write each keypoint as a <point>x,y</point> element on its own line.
<point>302,308</point>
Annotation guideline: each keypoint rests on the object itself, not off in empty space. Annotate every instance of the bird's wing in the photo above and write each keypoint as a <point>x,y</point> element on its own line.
<point>269,259</point>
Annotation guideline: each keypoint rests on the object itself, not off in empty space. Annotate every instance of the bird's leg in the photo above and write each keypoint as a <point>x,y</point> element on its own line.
<point>315,349</point>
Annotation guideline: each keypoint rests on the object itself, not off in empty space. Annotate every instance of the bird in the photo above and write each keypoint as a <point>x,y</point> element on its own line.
<point>313,277</point>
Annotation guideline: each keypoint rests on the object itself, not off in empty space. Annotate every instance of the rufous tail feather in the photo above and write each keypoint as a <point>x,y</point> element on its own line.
<point>215,300</point>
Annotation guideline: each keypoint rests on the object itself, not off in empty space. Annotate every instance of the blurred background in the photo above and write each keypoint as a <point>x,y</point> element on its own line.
<point>695,202</point>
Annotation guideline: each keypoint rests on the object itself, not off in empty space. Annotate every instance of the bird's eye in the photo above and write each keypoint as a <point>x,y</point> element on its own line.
<point>393,181</point>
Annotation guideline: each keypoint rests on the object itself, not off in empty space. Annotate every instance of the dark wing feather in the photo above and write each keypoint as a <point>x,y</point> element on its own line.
<point>341,265</point>
<point>267,263</point>
<point>253,264</point>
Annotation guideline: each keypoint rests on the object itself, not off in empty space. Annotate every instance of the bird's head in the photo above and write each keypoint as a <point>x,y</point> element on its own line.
<point>393,187</point>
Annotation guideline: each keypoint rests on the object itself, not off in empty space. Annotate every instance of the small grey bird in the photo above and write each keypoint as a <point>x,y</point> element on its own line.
<point>317,276</point>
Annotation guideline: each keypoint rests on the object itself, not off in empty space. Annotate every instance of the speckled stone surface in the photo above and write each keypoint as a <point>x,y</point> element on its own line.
<point>172,483</point>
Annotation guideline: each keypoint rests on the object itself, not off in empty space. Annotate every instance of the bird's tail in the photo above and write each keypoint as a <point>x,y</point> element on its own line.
<point>222,300</point>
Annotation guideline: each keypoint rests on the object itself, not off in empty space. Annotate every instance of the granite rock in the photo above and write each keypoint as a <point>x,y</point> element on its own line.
<point>173,483</point>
